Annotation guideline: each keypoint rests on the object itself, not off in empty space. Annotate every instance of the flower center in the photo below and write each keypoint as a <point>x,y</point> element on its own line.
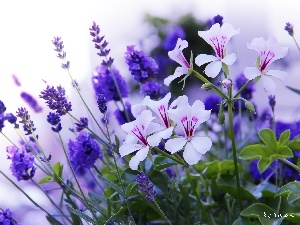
<point>189,126</point>
<point>137,132</point>
<point>163,114</point>
<point>219,45</point>
<point>265,58</point>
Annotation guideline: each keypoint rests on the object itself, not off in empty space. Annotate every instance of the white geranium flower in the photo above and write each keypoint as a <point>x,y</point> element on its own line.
<point>218,38</point>
<point>139,131</point>
<point>188,118</point>
<point>269,51</point>
<point>178,57</point>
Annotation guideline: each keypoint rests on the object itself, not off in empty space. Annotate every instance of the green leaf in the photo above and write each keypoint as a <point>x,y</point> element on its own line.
<point>81,215</point>
<point>265,214</point>
<point>292,191</point>
<point>221,115</point>
<point>268,137</point>
<point>249,105</point>
<point>245,194</point>
<point>284,137</point>
<point>53,221</point>
<point>130,188</point>
<point>162,162</point>
<point>129,174</point>
<point>111,185</point>
<point>58,168</point>
<point>270,152</point>
<point>46,179</point>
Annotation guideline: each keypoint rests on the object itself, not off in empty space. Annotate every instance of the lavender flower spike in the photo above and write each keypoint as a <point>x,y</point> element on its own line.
<point>56,100</point>
<point>100,44</point>
<point>21,163</point>
<point>28,125</point>
<point>61,54</point>
<point>146,186</point>
<point>31,101</point>
<point>6,217</point>
<point>142,67</point>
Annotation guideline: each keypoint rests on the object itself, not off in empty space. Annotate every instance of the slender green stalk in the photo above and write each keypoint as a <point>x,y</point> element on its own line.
<point>162,213</point>
<point>291,164</point>
<point>50,199</point>
<point>296,43</point>
<point>242,88</point>
<point>236,169</point>
<point>85,103</point>
<point>117,170</point>
<point>221,93</point>
<point>207,217</point>
<point>168,155</point>
<point>77,182</point>
<point>24,193</point>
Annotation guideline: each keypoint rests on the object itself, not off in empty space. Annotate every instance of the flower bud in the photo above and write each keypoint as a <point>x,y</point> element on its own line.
<point>207,86</point>
<point>221,115</point>
<point>227,83</point>
<point>250,106</point>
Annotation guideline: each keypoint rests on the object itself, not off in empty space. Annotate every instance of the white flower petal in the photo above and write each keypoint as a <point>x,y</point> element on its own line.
<point>203,58</point>
<point>251,72</point>
<point>190,155</point>
<point>178,73</point>
<point>126,149</point>
<point>282,75</point>
<point>214,31</point>
<point>229,59</point>
<point>228,31</point>
<point>155,138</point>
<point>139,156</point>
<point>175,144</point>
<point>137,109</point>
<point>130,139</point>
<point>201,144</point>
<point>276,48</point>
<point>153,128</point>
<point>213,69</point>
<point>198,111</point>
<point>269,84</point>
<point>258,44</point>
<point>181,100</point>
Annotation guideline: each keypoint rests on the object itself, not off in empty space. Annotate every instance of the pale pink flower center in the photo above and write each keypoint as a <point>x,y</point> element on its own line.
<point>189,126</point>
<point>265,58</point>
<point>182,59</point>
<point>163,114</point>
<point>219,45</point>
<point>137,132</point>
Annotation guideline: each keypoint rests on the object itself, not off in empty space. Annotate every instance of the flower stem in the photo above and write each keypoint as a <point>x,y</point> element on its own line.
<point>162,213</point>
<point>242,88</point>
<point>201,77</point>
<point>296,43</point>
<point>291,164</point>
<point>86,104</point>
<point>207,217</point>
<point>232,137</point>
<point>168,155</point>
<point>77,182</point>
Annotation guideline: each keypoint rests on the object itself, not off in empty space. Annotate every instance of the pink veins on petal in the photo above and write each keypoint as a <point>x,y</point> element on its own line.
<point>219,45</point>
<point>265,59</point>
<point>163,114</point>
<point>183,60</point>
<point>189,126</point>
<point>136,131</point>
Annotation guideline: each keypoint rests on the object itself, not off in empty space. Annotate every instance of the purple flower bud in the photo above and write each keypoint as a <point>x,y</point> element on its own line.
<point>28,125</point>
<point>289,28</point>
<point>146,186</point>
<point>82,124</point>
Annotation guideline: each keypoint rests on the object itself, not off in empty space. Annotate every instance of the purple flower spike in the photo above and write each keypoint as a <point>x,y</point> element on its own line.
<point>172,37</point>
<point>28,125</point>
<point>84,151</point>
<point>289,28</point>
<point>56,100</point>
<point>54,119</point>
<point>104,84</point>
<point>31,101</point>
<point>6,217</point>
<point>153,90</point>
<point>100,44</point>
<point>146,186</point>
<point>21,163</point>
<point>101,101</point>
<point>142,67</point>
<point>82,124</point>
<point>217,19</point>
<point>2,107</point>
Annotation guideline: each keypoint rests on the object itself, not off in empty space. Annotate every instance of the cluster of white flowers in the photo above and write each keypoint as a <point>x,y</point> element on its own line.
<point>187,117</point>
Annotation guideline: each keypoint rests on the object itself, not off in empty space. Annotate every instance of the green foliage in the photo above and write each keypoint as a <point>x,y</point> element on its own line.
<point>269,152</point>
